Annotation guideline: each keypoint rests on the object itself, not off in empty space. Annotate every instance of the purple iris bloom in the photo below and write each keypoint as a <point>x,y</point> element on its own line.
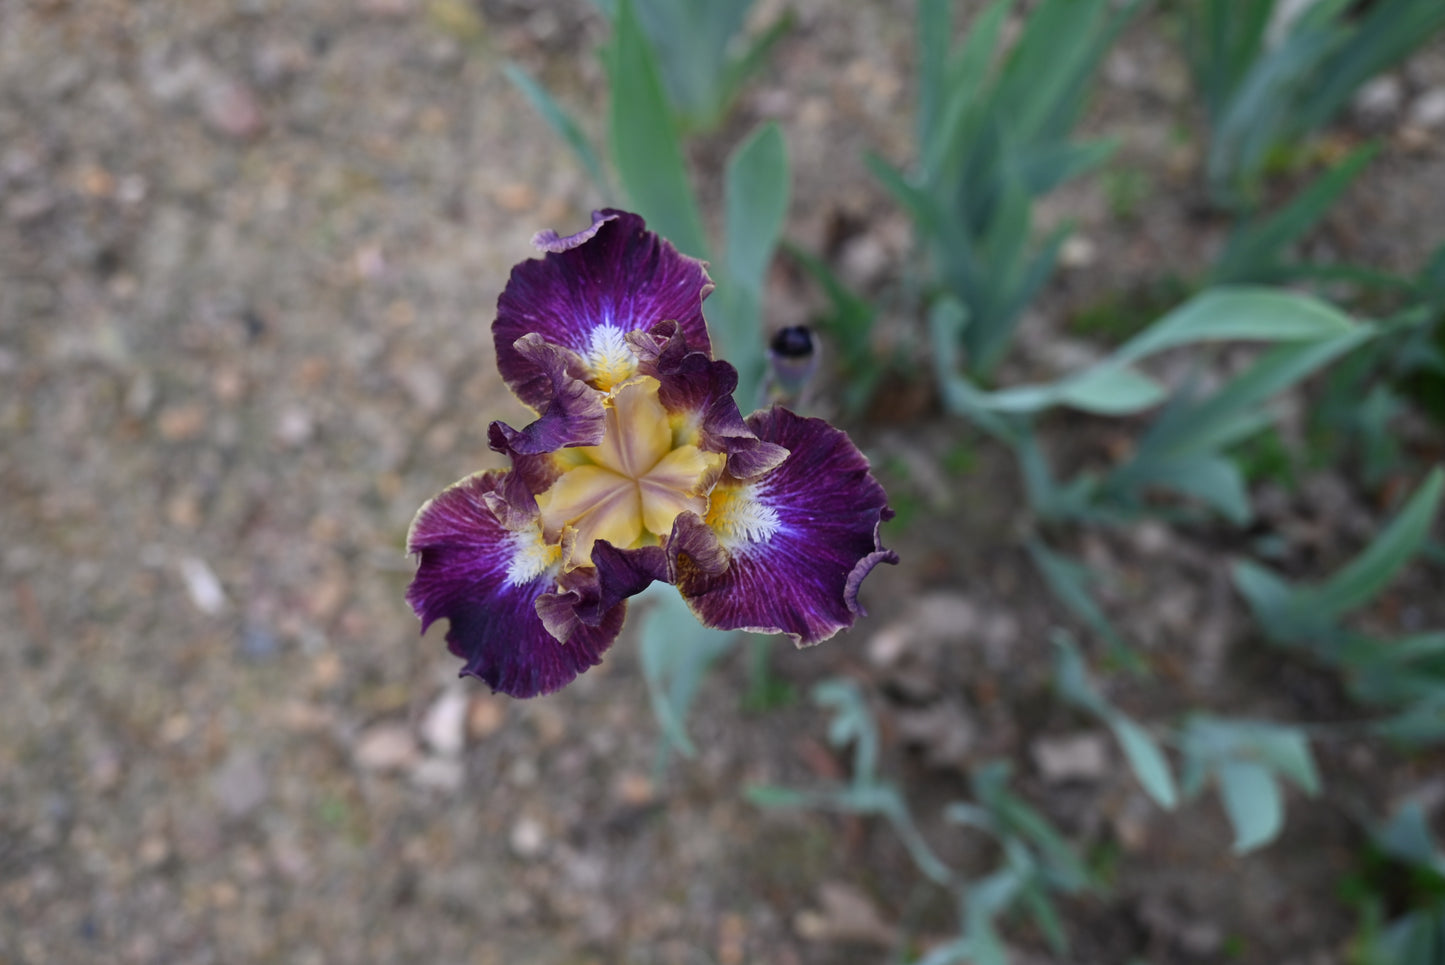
<point>638,468</point>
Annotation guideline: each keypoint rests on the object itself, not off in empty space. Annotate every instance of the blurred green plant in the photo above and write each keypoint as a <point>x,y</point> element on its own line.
<point>1036,861</point>
<point>1405,867</point>
<point>992,135</point>
<point>1404,677</point>
<point>1268,80</point>
<point>1356,410</point>
<point>675,652</point>
<point>704,56</point>
<point>1267,457</point>
<point>849,320</point>
<point>1187,449</point>
<point>1126,190</point>
<point>1245,760</point>
<point>1242,759</point>
<point>1254,251</point>
<point>1119,315</point>
<point>1143,753</point>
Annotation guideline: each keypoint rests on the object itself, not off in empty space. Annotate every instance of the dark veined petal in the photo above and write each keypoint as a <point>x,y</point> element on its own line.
<point>785,552</point>
<point>486,579</point>
<point>588,291</point>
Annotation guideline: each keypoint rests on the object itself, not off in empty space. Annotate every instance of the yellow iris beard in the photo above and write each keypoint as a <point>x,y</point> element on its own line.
<point>629,488</point>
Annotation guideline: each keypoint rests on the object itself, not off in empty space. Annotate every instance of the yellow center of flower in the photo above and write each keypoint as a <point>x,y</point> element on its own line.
<point>629,488</point>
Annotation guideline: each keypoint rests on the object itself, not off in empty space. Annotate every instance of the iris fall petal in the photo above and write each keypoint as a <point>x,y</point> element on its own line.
<point>785,552</point>
<point>486,580</point>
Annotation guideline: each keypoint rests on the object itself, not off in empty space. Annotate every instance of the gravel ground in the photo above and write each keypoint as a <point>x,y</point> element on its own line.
<point>249,253</point>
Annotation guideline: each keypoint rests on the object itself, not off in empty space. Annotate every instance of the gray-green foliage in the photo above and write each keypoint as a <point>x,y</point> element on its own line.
<point>1416,937</point>
<point>1185,448</point>
<point>647,151</point>
<point>1356,409</point>
<point>643,138</point>
<point>1243,760</point>
<point>1266,85</point>
<point>1405,677</point>
<point>1036,862</point>
<point>1115,386</point>
<point>993,135</point>
<point>675,652</point>
<point>1184,451</point>
<point>1140,749</point>
<point>1255,249</point>
<point>703,55</point>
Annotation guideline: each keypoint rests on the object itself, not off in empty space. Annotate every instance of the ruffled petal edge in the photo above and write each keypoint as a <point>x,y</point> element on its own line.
<point>485,579</point>
<point>786,552</point>
<point>589,290</point>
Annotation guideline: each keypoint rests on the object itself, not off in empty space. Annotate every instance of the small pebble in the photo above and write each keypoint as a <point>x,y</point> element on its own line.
<point>486,715</point>
<point>1070,757</point>
<point>294,427</point>
<point>230,108</point>
<point>387,748</point>
<point>444,728</point>
<point>527,837</point>
<point>240,784</point>
<point>181,423</point>
<point>258,642</point>
<point>1428,111</point>
<point>1380,98</point>
<point>1078,252</point>
<point>439,773</point>
<point>202,585</point>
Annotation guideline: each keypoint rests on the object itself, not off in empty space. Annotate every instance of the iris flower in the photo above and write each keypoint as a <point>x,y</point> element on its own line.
<point>639,468</point>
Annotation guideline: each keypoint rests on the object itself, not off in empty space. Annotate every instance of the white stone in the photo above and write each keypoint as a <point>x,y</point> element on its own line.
<point>444,728</point>
<point>386,747</point>
<point>1071,757</point>
<point>202,585</point>
<point>1428,111</point>
<point>527,837</point>
<point>1380,98</point>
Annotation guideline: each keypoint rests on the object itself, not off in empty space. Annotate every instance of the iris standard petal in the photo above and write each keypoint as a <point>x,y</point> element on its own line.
<point>787,551</point>
<point>587,295</point>
<point>486,579</point>
<point>697,393</point>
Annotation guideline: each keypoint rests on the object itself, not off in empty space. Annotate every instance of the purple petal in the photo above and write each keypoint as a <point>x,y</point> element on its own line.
<point>623,573</point>
<point>618,279</point>
<point>573,416</point>
<point>486,579</point>
<point>693,383</point>
<point>797,541</point>
<point>588,595</point>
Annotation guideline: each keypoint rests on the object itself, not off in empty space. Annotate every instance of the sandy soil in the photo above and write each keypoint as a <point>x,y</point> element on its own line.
<point>249,253</point>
